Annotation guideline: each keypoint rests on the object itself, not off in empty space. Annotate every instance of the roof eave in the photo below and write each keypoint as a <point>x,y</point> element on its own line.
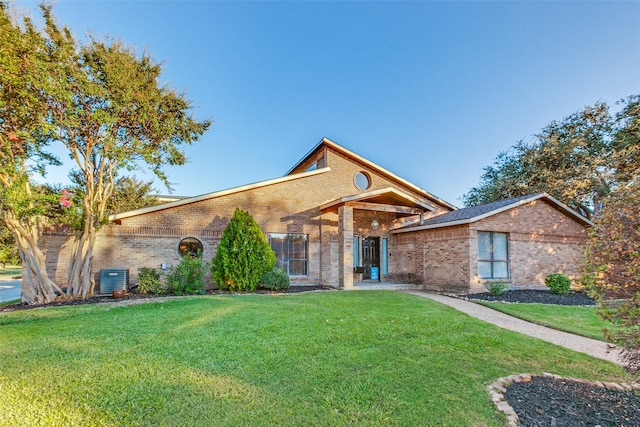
<point>216,194</point>
<point>374,193</point>
<point>338,147</point>
<point>537,196</point>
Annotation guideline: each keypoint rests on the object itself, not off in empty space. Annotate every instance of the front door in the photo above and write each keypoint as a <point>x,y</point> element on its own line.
<point>371,258</point>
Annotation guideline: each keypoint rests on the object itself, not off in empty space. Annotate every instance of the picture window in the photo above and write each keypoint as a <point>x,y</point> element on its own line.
<point>493,255</point>
<point>292,252</point>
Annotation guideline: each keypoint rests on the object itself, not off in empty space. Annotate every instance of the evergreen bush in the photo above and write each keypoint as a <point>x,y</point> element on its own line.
<point>558,283</point>
<point>243,255</point>
<point>276,280</point>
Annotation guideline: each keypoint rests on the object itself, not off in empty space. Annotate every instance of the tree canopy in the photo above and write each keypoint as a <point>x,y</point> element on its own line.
<point>103,102</point>
<point>578,160</point>
<point>27,84</point>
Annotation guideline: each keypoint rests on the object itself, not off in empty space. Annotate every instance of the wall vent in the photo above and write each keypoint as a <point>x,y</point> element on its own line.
<point>113,279</point>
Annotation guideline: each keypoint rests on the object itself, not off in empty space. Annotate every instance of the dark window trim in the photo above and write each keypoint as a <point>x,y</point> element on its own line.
<point>284,262</point>
<point>494,260</point>
<point>191,240</point>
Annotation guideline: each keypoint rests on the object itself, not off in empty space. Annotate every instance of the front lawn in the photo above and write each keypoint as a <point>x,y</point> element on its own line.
<point>327,358</point>
<point>580,320</point>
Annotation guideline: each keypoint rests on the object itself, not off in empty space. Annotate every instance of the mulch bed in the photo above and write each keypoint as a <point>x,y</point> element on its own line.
<point>551,402</point>
<point>134,296</point>
<point>536,297</point>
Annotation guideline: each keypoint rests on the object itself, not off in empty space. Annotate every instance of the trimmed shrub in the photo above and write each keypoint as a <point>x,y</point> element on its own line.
<point>243,255</point>
<point>497,288</point>
<point>276,280</point>
<point>149,281</point>
<point>558,283</point>
<point>187,277</point>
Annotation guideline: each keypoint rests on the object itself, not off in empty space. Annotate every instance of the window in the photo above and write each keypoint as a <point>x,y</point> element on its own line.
<point>356,251</point>
<point>190,247</point>
<point>362,181</point>
<point>493,255</point>
<point>292,252</point>
<point>319,163</point>
<point>384,263</point>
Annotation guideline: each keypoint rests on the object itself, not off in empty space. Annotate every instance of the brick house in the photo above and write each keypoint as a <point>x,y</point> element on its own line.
<point>341,220</point>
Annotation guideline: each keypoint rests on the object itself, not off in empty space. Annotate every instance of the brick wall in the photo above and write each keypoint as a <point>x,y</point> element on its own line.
<point>542,240</point>
<point>290,206</point>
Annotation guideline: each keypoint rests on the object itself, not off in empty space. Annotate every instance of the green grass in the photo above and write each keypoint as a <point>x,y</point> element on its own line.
<point>9,271</point>
<point>578,320</point>
<point>330,358</point>
<point>15,301</point>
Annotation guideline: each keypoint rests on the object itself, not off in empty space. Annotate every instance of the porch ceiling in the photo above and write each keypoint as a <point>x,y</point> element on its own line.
<point>383,200</point>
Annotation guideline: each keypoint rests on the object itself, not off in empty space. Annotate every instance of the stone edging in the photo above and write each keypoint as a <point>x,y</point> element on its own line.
<point>499,387</point>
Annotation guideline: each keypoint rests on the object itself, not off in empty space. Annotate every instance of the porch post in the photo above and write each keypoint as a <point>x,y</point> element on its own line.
<point>345,253</point>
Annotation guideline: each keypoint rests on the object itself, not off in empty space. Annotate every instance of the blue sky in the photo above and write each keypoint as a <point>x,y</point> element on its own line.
<point>431,91</point>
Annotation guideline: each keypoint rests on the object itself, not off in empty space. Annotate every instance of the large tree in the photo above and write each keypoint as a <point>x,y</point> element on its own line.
<point>118,116</point>
<point>26,89</point>
<point>626,141</point>
<point>106,105</point>
<point>579,159</point>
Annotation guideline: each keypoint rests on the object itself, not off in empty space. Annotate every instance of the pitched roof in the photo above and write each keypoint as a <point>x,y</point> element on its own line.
<point>387,196</point>
<point>476,213</point>
<point>326,142</point>
<point>188,200</point>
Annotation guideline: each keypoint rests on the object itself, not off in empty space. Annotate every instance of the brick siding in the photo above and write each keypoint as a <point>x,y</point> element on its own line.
<point>542,240</point>
<point>291,206</point>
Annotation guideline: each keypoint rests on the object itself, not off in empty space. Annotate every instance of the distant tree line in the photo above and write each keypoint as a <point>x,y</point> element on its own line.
<point>580,159</point>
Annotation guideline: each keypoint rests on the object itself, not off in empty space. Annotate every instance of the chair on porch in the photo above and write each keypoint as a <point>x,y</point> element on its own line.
<point>357,274</point>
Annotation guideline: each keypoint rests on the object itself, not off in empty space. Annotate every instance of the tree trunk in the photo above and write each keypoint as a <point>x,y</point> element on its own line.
<point>80,281</point>
<point>37,287</point>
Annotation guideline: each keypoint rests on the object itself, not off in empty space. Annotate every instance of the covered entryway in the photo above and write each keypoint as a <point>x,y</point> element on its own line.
<point>364,221</point>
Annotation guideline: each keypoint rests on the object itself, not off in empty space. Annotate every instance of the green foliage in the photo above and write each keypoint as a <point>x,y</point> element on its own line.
<point>276,280</point>
<point>8,247</point>
<point>130,193</point>
<point>149,281</point>
<point>612,270</point>
<point>558,283</point>
<point>243,255</point>
<point>104,103</point>
<point>578,160</point>
<point>9,255</point>
<point>187,277</point>
<point>497,288</point>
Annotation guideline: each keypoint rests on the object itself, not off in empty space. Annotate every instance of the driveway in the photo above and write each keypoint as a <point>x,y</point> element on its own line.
<point>10,290</point>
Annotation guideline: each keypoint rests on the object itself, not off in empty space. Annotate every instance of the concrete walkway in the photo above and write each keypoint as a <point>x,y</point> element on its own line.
<point>585,345</point>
